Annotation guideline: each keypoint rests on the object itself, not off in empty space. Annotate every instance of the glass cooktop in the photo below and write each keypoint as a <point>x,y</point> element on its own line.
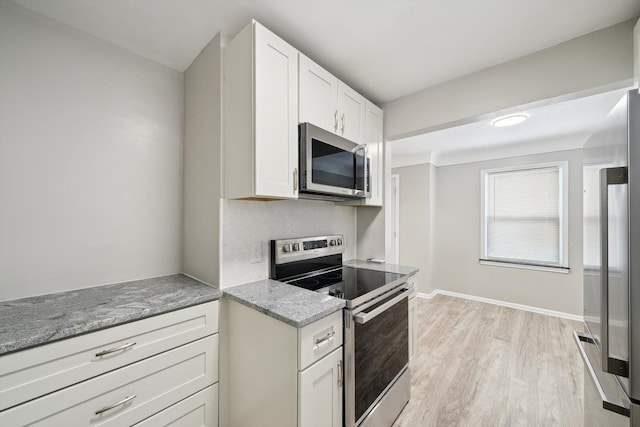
<point>346,282</point>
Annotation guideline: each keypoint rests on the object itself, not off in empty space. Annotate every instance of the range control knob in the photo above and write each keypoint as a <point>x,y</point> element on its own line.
<point>296,247</point>
<point>339,242</point>
<point>332,243</point>
<point>286,247</point>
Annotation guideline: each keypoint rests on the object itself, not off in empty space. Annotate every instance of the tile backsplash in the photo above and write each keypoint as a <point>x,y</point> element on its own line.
<point>248,222</point>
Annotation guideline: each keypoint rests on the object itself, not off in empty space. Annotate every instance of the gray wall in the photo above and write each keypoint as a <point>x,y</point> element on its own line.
<point>593,63</point>
<point>415,220</point>
<point>90,160</point>
<point>457,241</point>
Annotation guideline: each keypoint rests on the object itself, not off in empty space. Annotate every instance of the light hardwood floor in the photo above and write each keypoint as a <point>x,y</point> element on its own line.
<point>484,365</point>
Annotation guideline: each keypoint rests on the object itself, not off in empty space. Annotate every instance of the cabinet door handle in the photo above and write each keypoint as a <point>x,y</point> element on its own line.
<point>325,339</point>
<point>115,405</point>
<point>340,373</point>
<point>113,350</point>
<point>342,130</point>
<point>335,121</point>
<point>295,180</point>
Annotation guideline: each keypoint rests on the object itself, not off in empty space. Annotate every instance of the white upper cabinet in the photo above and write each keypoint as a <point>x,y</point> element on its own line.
<point>330,104</point>
<point>269,87</point>
<point>260,116</point>
<point>375,143</point>
<point>351,111</point>
<point>374,138</point>
<point>318,96</point>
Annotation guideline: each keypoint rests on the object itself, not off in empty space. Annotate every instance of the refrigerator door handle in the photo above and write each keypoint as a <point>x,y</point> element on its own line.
<point>608,176</point>
<point>607,403</point>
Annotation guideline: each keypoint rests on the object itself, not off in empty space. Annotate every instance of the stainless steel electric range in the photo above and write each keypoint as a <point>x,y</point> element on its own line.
<point>376,350</point>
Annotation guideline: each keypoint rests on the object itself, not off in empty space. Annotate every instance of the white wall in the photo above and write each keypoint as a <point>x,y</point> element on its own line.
<point>593,63</point>
<point>90,160</point>
<point>246,222</point>
<point>456,244</point>
<point>415,220</point>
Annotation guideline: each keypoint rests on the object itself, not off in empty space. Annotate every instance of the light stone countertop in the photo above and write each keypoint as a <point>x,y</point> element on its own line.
<point>33,321</point>
<point>386,267</point>
<point>292,305</point>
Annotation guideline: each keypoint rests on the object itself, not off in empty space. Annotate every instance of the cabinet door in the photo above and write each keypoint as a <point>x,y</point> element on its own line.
<point>276,115</point>
<point>320,392</point>
<point>318,96</point>
<point>374,140</point>
<point>351,111</point>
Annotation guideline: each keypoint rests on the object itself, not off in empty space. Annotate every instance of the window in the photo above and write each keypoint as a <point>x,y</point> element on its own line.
<point>524,221</point>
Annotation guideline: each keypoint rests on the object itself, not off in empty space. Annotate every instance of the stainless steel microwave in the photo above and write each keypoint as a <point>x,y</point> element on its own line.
<point>331,167</point>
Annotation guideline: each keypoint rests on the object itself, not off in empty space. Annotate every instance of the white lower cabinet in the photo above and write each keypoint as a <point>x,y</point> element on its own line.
<point>155,364</point>
<point>201,409</point>
<point>279,375</point>
<point>320,392</point>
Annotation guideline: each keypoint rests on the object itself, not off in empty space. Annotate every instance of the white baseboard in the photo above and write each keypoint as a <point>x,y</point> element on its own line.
<point>503,304</point>
<point>427,296</point>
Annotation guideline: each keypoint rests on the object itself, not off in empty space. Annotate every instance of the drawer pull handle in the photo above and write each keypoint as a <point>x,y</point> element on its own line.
<point>113,350</point>
<point>115,405</point>
<point>325,339</point>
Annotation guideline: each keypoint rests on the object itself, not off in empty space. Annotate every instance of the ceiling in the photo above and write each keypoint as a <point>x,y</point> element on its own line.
<point>553,127</point>
<point>383,48</point>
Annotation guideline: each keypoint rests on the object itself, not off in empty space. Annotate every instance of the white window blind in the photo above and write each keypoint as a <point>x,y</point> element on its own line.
<point>524,215</point>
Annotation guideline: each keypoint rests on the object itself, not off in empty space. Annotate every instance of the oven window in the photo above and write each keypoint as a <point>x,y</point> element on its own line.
<point>331,166</point>
<point>381,352</point>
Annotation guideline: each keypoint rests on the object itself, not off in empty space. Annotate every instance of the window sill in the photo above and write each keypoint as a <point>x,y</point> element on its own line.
<point>561,270</point>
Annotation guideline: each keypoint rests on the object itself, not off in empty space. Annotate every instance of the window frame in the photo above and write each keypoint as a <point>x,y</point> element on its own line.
<point>563,265</point>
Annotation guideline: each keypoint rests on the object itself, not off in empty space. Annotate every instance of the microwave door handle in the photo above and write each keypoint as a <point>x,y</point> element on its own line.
<point>608,176</point>
<point>365,177</point>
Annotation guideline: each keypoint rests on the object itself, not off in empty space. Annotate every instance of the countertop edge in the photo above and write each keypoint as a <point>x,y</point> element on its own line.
<point>382,266</point>
<point>291,322</point>
<point>268,296</point>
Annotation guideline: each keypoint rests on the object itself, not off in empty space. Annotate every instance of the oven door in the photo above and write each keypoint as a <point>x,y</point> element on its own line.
<point>377,354</point>
<point>330,164</point>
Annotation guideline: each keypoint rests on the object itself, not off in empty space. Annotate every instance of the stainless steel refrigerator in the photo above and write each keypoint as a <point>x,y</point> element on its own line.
<point>610,342</point>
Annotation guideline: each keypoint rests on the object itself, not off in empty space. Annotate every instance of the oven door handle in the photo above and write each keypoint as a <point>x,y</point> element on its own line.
<point>363,318</point>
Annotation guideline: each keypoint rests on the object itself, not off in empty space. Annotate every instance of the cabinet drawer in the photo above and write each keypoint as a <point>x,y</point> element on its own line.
<point>319,339</point>
<point>31,373</point>
<point>201,409</point>
<point>147,387</point>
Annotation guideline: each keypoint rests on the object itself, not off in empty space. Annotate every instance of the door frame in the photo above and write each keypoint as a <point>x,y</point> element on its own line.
<point>395,206</point>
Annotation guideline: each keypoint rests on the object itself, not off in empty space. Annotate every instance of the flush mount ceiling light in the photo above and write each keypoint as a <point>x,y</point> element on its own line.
<point>511,120</point>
